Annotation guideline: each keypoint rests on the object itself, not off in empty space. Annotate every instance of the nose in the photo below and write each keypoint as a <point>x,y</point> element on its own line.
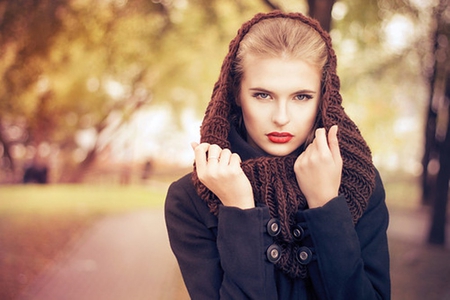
<point>281,114</point>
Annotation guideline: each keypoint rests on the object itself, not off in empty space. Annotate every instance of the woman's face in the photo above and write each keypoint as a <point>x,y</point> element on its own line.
<point>279,99</point>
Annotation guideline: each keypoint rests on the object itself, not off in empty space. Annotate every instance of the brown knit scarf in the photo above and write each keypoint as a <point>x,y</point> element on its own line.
<point>273,178</point>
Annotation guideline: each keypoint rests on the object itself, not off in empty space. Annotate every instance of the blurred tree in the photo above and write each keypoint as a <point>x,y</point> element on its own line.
<point>386,70</point>
<point>27,29</point>
<point>430,154</point>
<point>321,11</point>
<point>74,66</point>
<point>380,47</point>
<point>318,9</point>
<point>436,161</point>
<point>439,213</point>
<point>45,39</point>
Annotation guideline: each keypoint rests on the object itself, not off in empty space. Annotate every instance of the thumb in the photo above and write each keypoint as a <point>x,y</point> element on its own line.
<point>333,143</point>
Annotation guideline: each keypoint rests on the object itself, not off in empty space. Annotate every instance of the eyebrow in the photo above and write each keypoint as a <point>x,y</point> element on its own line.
<point>304,91</point>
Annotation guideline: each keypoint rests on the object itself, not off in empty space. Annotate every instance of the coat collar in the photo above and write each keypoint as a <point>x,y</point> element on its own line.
<point>241,147</point>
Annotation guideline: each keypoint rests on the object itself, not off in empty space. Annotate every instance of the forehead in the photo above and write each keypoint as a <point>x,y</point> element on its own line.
<point>280,72</point>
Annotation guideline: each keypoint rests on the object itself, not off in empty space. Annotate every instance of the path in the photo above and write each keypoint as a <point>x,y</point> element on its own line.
<point>121,257</point>
<point>412,225</point>
<point>127,257</point>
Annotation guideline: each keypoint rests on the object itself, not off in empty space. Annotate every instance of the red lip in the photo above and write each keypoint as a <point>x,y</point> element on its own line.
<point>280,137</point>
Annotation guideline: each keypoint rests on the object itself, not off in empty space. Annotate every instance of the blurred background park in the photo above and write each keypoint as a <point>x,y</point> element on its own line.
<point>100,99</point>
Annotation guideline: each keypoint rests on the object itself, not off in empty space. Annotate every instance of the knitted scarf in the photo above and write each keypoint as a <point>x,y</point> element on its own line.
<point>273,178</point>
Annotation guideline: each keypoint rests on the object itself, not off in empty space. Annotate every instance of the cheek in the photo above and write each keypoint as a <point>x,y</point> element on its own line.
<point>254,117</point>
<point>305,117</point>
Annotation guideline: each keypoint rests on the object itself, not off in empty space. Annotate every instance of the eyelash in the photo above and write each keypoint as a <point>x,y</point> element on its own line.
<point>304,97</point>
<point>267,96</point>
<point>259,96</point>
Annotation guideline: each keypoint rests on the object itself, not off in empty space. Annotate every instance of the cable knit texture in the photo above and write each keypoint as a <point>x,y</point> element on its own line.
<point>273,178</point>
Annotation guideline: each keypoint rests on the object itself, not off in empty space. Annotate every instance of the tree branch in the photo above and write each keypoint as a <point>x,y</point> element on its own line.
<point>271,5</point>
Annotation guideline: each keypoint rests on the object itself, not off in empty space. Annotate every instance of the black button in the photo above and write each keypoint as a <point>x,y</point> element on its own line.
<point>273,227</point>
<point>273,253</point>
<point>304,255</point>
<point>298,232</point>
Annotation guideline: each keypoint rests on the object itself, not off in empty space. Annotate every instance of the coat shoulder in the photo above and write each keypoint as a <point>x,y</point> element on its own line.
<point>182,196</point>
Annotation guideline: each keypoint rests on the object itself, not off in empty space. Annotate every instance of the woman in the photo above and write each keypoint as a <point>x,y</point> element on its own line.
<point>284,201</point>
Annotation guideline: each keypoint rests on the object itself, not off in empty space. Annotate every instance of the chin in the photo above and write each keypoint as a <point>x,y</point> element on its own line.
<point>279,152</point>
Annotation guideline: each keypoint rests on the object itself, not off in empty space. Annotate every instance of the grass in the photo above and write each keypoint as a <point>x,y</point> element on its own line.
<point>38,222</point>
<point>60,199</point>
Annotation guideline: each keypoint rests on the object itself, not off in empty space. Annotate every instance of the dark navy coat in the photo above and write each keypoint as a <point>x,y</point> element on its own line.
<point>226,257</point>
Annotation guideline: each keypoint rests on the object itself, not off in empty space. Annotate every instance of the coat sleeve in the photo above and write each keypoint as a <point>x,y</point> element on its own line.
<point>219,258</point>
<point>352,260</point>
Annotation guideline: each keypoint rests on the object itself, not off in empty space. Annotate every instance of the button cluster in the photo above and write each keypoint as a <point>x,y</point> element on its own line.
<point>304,254</point>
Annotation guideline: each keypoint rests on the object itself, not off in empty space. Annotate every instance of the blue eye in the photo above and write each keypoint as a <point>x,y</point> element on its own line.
<point>261,96</point>
<point>303,97</point>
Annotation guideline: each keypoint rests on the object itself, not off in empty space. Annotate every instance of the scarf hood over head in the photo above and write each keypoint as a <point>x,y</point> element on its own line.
<point>273,178</point>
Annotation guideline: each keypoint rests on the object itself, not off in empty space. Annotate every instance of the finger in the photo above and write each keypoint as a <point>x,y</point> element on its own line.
<point>235,159</point>
<point>321,140</point>
<point>200,154</point>
<point>225,155</point>
<point>333,143</point>
<point>214,153</point>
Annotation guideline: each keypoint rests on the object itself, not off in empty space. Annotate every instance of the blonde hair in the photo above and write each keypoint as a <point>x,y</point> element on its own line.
<point>284,38</point>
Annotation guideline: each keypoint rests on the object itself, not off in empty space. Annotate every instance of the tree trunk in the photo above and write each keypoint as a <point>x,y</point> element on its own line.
<point>438,221</point>
<point>8,163</point>
<point>430,148</point>
<point>430,152</point>
<point>438,191</point>
<point>83,168</point>
<point>321,11</point>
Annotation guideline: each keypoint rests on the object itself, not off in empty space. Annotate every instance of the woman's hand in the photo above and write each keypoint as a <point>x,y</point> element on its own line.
<point>319,168</point>
<point>220,171</point>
